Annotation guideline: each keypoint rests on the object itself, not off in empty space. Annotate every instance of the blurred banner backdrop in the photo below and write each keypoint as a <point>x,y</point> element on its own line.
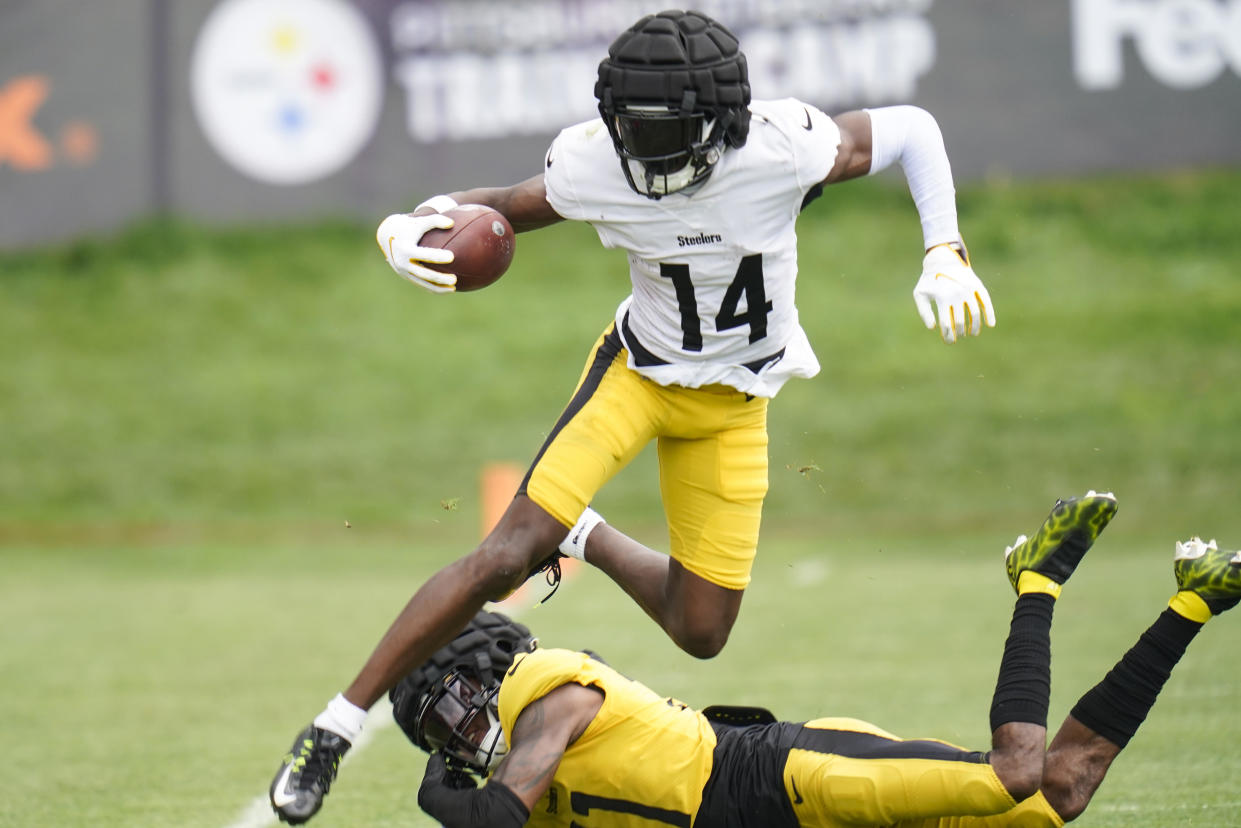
<point>240,111</point>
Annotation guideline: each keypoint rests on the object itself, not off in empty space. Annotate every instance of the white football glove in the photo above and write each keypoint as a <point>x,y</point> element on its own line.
<point>959,296</point>
<point>398,238</point>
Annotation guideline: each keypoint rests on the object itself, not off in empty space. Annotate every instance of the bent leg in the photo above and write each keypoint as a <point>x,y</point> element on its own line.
<point>1022,695</point>
<point>1037,568</point>
<point>713,476</point>
<point>449,599</point>
<point>1077,761</point>
<point>1106,718</point>
<point>713,481</point>
<point>697,614</point>
<point>1009,793</point>
<point>855,773</point>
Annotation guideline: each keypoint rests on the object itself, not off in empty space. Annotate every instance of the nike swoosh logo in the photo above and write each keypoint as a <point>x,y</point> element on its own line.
<point>944,276</point>
<point>797,800</point>
<point>280,795</point>
<point>808,125</point>
<point>549,160</point>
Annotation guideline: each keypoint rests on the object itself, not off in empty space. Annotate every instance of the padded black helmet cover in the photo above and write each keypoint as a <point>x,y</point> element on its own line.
<point>683,60</point>
<point>484,650</point>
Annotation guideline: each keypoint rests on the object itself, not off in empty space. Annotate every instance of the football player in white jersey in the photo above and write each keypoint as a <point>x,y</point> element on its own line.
<point>705,200</point>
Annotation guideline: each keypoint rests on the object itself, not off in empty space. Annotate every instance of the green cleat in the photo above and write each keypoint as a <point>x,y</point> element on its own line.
<point>1214,575</point>
<point>1058,546</point>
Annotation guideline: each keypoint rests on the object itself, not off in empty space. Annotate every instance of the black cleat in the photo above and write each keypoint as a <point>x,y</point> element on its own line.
<point>306,775</point>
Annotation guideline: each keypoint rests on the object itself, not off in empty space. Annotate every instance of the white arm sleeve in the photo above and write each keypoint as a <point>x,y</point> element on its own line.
<point>910,136</point>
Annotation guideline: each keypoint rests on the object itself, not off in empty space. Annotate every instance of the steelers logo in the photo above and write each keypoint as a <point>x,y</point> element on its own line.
<point>287,91</point>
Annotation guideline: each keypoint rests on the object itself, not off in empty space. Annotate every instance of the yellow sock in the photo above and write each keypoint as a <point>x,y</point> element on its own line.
<point>1031,581</point>
<point>1190,605</point>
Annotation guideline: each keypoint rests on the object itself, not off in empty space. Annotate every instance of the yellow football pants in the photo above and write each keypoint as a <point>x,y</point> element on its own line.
<point>712,449</point>
<point>845,772</point>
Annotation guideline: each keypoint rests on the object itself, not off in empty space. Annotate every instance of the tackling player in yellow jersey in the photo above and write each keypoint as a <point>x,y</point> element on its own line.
<point>567,740</point>
<point>702,187</point>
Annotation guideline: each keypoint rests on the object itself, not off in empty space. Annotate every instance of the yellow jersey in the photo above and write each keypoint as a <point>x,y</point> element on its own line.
<point>642,761</point>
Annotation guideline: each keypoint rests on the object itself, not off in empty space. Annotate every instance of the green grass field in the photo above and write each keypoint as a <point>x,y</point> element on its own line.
<point>191,417</point>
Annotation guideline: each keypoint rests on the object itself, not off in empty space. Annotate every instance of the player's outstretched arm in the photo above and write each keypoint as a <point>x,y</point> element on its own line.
<point>874,139</point>
<point>524,205</point>
<point>543,732</point>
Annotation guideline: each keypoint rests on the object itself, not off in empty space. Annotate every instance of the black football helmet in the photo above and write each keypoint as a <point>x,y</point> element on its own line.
<point>674,91</point>
<point>449,703</point>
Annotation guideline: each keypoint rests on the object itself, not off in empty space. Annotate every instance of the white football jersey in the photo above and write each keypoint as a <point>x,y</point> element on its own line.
<point>714,272</point>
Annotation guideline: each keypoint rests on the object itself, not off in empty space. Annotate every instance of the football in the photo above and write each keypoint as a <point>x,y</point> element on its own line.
<point>482,242</point>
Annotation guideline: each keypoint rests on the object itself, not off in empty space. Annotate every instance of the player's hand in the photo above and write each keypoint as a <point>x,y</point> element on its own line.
<point>442,791</point>
<point>440,775</point>
<point>960,298</point>
<point>398,237</point>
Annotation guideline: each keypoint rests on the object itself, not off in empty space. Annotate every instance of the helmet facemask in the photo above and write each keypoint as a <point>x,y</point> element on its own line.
<point>462,719</point>
<point>673,92</point>
<point>663,151</point>
<point>450,703</point>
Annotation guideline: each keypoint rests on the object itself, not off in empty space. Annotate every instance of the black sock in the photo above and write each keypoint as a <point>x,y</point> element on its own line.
<point>1116,706</point>
<point>1023,688</point>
